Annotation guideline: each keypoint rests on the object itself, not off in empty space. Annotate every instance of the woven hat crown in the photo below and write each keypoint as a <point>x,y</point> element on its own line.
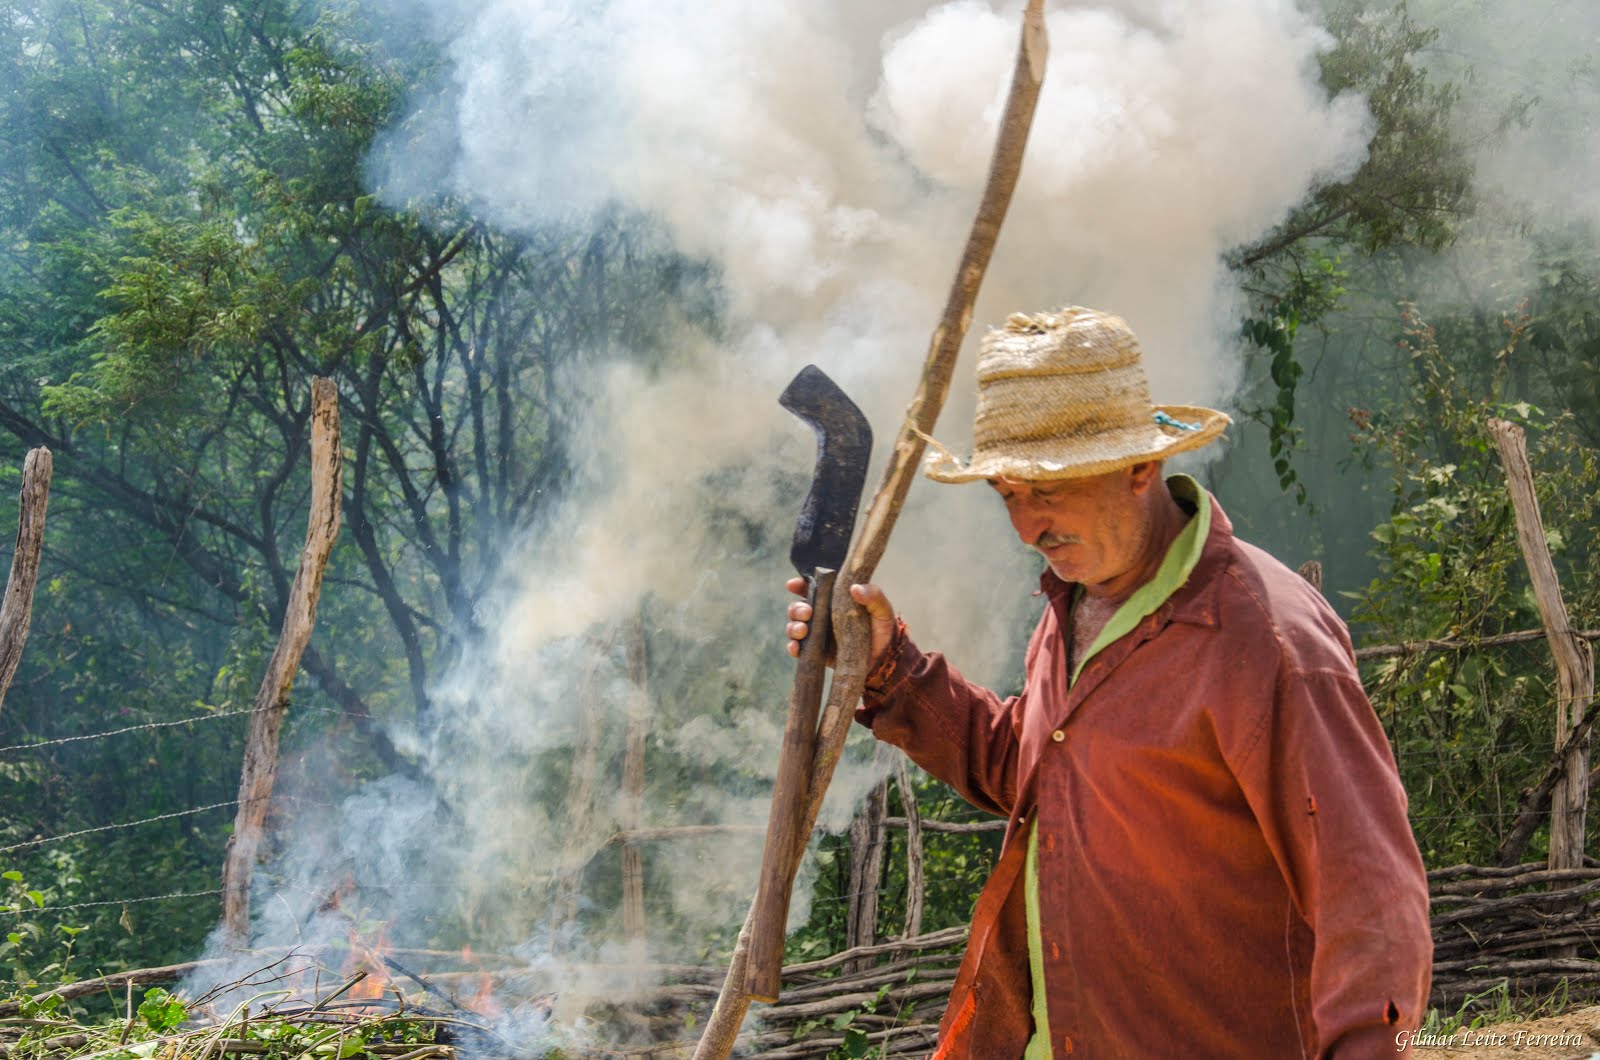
<point>1064,394</point>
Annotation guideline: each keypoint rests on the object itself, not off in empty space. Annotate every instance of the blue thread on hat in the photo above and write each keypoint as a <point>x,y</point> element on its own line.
<point>1167,421</point>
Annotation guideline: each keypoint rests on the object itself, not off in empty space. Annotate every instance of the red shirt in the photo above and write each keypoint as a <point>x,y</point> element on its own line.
<point>1225,864</point>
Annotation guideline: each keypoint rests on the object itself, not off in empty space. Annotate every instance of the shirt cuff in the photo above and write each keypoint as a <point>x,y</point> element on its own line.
<point>882,675</point>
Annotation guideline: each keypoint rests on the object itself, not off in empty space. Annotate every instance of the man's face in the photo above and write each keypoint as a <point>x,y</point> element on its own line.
<point>1088,529</point>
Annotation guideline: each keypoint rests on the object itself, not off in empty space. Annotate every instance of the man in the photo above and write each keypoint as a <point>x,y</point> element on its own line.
<point>1207,853</point>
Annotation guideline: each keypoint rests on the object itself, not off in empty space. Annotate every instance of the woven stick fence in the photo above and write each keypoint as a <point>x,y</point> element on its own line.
<point>1526,929</point>
<point>1497,931</point>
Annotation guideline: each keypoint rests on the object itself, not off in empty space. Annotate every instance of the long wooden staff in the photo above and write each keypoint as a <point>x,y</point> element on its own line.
<point>851,625</point>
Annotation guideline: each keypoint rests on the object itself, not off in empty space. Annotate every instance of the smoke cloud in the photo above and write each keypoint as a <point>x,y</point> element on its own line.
<point>1530,99</point>
<point>1529,110</point>
<point>825,157</point>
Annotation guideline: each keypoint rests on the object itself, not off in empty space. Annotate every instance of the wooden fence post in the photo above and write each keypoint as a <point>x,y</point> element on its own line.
<point>908,800</point>
<point>16,612</point>
<point>272,700</point>
<point>1574,662</point>
<point>633,923</point>
<point>578,847</point>
<point>867,840</point>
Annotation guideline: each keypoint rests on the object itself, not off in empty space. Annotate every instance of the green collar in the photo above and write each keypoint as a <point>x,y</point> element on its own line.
<point>1176,566</point>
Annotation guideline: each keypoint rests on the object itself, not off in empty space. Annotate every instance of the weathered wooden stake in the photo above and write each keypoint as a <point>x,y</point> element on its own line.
<point>908,799</point>
<point>272,700</point>
<point>1574,661</point>
<point>16,611</point>
<point>633,924</point>
<point>849,621</point>
<point>868,837</point>
<point>577,848</point>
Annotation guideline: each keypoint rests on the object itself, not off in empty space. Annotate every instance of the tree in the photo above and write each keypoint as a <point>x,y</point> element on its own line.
<point>187,241</point>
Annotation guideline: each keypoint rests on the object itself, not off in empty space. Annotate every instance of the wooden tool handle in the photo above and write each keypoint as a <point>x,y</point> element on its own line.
<point>771,912</point>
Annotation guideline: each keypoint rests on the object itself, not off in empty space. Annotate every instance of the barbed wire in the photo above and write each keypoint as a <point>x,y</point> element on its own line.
<point>118,732</point>
<point>115,901</point>
<point>114,827</point>
<point>165,725</point>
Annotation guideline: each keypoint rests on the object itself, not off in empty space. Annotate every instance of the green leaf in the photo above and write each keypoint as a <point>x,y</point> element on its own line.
<point>162,1011</point>
<point>856,1044</point>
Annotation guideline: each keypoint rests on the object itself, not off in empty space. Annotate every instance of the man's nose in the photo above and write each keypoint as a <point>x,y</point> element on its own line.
<point>1028,523</point>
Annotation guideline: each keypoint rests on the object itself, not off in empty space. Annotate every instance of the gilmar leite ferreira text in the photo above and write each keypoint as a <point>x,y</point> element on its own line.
<point>1407,1040</point>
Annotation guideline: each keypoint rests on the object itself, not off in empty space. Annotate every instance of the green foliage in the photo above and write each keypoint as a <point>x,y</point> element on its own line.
<point>161,1011</point>
<point>165,1024</point>
<point>35,950</point>
<point>1413,189</point>
<point>1470,728</point>
<point>1416,182</point>
<point>1415,185</point>
<point>1314,290</point>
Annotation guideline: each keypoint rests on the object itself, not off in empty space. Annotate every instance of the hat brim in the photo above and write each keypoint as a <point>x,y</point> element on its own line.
<point>1177,429</point>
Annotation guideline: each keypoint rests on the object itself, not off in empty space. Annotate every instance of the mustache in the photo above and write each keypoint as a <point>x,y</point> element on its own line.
<point>1050,540</point>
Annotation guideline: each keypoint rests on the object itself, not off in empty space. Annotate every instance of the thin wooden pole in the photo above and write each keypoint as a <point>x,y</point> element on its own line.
<point>260,770</point>
<point>633,922</point>
<point>849,621</point>
<point>914,885</point>
<point>16,611</point>
<point>1499,640</point>
<point>867,839</point>
<point>1573,659</point>
<point>578,846</point>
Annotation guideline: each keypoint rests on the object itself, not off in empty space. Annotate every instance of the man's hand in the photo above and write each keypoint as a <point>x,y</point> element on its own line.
<point>868,596</point>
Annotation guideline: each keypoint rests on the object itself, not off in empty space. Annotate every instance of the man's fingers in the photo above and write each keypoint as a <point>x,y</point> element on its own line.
<point>874,600</point>
<point>879,611</point>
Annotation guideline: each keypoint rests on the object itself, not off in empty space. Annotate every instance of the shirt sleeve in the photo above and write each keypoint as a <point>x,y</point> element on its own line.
<point>960,732</point>
<point>1320,777</point>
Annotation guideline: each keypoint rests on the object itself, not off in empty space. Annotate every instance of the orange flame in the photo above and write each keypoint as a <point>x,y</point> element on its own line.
<point>368,957</point>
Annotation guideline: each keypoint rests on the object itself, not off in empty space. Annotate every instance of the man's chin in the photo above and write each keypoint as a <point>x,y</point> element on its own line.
<point>1065,571</point>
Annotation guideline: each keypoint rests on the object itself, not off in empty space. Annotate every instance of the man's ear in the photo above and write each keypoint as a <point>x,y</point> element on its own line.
<point>1143,475</point>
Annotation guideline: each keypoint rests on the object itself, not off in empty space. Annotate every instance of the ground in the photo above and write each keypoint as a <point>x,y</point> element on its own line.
<point>1573,1035</point>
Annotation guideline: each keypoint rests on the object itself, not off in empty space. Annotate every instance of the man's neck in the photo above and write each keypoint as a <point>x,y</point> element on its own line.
<point>1165,521</point>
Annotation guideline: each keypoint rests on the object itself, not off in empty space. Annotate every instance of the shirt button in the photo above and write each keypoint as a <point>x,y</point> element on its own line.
<point>1058,736</point>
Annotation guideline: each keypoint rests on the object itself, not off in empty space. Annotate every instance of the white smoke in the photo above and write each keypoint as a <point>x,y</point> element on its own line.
<point>1529,99</point>
<point>826,158</point>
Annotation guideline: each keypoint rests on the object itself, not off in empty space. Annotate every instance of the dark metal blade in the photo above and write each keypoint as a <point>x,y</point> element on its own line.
<point>844,448</point>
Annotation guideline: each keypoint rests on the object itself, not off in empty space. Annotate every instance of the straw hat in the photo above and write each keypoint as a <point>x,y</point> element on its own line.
<point>1062,395</point>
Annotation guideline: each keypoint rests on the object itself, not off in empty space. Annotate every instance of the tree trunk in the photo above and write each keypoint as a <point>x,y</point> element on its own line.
<point>272,700</point>
<point>1574,662</point>
<point>16,612</point>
